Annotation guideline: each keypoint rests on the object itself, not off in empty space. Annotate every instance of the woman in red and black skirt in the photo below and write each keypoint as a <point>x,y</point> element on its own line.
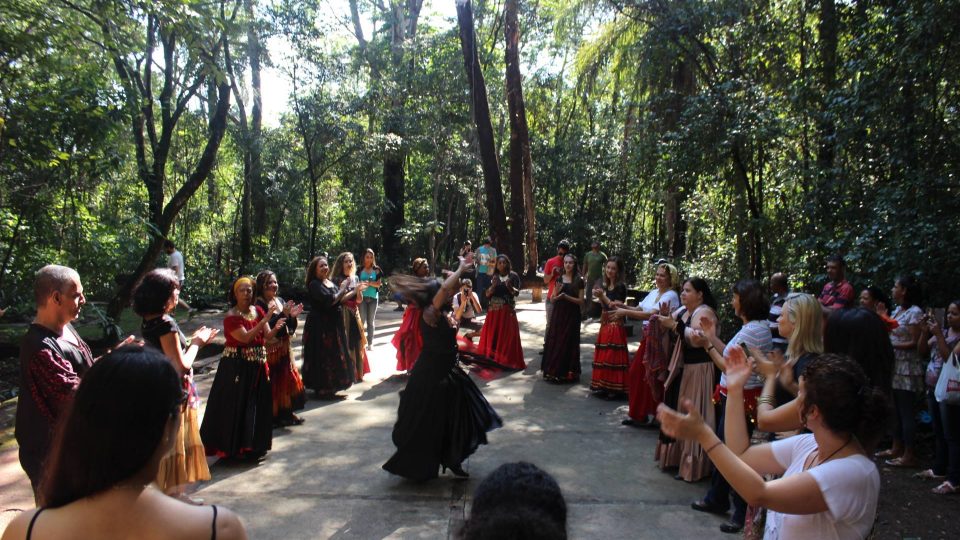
<point>610,360</point>
<point>285,380</point>
<point>561,351</point>
<point>500,335</point>
<point>407,340</point>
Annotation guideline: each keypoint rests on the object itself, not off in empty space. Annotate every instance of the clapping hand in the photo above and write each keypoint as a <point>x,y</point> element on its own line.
<point>708,328</point>
<point>685,427</point>
<point>768,365</point>
<point>292,310</point>
<point>738,368</point>
<point>665,309</point>
<point>203,336</point>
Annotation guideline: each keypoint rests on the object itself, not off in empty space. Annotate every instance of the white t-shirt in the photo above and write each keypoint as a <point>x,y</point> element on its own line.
<point>653,300</point>
<point>175,261</point>
<point>850,487</point>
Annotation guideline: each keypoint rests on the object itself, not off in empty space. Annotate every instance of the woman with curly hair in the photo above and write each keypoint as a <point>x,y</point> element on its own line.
<point>407,340</point>
<point>345,278</point>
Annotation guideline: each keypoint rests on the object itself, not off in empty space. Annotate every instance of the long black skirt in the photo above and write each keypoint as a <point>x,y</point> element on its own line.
<point>440,421</point>
<point>238,421</point>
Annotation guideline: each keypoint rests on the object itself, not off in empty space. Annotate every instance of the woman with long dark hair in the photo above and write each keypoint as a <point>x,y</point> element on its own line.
<point>285,380</point>
<point>500,335</point>
<point>829,487</point>
<point>99,480</point>
<point>691,377</point>
<point>749,304</point>
<point>907,370</point>
<point>610,359</point>
<point>372,275</point>
<point>442,418</point>
<point>345,278</point>
<point>326,368</point>
<point>238,422</point>
<point>154,298</point>
<point>561,346</point>
<point>407,340</point>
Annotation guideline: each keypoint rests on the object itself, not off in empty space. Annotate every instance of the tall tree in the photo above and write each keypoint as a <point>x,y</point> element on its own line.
<point>481,116</point>
<point>180,51</point>
<point>522,210</point>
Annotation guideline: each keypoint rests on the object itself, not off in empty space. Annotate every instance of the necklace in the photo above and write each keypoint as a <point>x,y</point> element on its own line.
<point>835,452</point>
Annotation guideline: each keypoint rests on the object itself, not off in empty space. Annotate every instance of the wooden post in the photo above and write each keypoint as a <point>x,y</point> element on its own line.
<point>536,293</point>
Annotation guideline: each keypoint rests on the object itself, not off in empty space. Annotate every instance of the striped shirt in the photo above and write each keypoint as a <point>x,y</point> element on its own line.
<point>755,335</point>
<point>776,307</point>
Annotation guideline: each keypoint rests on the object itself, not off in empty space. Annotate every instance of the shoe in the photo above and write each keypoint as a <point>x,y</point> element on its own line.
<point>628,422</point>
<point>398,308</point>
<point>946,488</point>
<point>928,474</point>
<point>457,471</point>
<point>540,352</point>
<point>710,508</point>
<point>731,527</point>
<point>889,453</point>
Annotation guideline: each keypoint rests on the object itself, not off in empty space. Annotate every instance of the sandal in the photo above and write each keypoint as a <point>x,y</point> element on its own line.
<point>928,474</point>
<point>888,453</point>
<point>946,488</point>
<point>900,462</point>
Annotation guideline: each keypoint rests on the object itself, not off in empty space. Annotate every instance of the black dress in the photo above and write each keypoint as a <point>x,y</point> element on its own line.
<point>326,368</point>
<point>442,418</point>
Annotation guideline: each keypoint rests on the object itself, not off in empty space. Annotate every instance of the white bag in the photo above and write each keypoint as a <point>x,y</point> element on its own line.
<point>948,385</point>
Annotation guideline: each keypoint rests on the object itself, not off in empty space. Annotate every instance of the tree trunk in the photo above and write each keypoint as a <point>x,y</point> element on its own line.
<point>481,117</point>
<point>217,127</point>
<point>255,142</point>
<point>826,130</point>
<point>523,212</point>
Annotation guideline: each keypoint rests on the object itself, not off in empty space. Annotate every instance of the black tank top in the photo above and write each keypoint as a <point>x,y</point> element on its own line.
<point>213,532</point>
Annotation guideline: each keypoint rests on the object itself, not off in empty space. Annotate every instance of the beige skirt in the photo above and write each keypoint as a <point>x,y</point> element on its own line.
<point>696,384</point>
<point>186,462</point>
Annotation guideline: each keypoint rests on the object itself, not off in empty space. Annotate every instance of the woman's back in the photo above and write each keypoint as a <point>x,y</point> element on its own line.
<point>128,513</point>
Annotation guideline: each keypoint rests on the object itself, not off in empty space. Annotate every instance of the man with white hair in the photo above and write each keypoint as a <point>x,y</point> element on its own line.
<point>53,357</point>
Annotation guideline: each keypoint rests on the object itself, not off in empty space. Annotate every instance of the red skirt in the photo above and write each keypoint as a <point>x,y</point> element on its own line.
<point>285,381</point>
<point>610,360</point>
<point>408,340</point>
<point>643,402</point>
<point>500,338</point>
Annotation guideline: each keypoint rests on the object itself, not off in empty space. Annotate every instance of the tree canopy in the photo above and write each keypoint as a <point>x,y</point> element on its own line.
<point>735,138</point>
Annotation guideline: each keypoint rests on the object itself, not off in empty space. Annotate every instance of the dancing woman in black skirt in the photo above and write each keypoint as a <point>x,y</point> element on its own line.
<point>442,417</point>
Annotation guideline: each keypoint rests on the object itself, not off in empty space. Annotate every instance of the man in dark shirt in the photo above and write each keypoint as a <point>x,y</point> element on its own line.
<point>52,360</point>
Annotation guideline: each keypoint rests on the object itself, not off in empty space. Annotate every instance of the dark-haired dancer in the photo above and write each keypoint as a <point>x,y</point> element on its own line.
<point>326,369</point>
<point>154,298</point>
<point>407,340</point>
<point>610,359</point>
<point>500,335</point>
<point>285,380</point>
<point>442,417</point>
<point>693,380</point>
<point>238,422</point>
<point>561,350</point>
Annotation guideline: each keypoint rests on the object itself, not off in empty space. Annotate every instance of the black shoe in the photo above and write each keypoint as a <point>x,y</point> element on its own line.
<point>731,527</point>
<point>710,508</point>
<point>628,422</point>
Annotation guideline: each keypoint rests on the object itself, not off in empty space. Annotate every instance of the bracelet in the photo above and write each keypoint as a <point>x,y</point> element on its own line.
<point>710,348</point>
<point>768,400</point>
<point>718,443</point>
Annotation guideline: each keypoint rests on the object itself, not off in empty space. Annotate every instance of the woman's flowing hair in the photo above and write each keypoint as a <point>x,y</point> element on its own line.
<point>417,290</point>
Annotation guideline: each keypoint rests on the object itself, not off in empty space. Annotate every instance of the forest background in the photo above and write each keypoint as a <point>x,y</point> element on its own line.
<point>736,138</point>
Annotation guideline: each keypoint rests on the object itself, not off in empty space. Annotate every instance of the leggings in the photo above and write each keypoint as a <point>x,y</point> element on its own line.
<point>368,314</point>
<point>904,401</point>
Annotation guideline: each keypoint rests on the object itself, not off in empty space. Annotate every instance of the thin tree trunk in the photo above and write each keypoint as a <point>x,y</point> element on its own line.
<point>481,116</point>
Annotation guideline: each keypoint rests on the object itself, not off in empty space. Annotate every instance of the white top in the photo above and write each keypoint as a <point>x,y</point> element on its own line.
<point>850,487</point>
<point>653,300</point>
<point>175,261</point>
<point>468,311</point>
<point>756,335</point>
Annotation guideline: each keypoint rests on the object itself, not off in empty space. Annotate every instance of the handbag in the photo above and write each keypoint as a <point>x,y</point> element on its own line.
<point>948,385</point>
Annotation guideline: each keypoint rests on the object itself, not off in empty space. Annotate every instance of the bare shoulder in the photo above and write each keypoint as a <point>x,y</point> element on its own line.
<point>229,525</point>
<point>17,529</point>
